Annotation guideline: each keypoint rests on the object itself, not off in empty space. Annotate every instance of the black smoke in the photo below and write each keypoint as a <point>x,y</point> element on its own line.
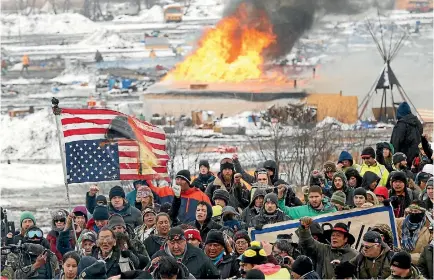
<point>290,19</point>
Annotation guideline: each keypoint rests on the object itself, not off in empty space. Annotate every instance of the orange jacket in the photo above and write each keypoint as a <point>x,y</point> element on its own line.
<point>25,60</point>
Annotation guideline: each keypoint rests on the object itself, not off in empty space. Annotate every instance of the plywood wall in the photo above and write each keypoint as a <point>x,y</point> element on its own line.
<point>342,108</point>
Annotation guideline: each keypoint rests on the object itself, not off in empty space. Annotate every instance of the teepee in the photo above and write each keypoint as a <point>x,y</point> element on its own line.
<point>386,83</point>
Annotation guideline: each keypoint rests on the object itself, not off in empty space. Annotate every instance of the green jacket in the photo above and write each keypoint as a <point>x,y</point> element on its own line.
<point>324,253</point>
<point>305,210</point>
<point>378,268</point>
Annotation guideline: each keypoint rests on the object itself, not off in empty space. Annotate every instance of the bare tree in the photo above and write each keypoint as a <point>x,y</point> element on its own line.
<point>187,5</point>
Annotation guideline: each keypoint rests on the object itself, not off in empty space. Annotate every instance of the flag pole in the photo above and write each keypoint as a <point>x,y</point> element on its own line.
<point>57,111</point>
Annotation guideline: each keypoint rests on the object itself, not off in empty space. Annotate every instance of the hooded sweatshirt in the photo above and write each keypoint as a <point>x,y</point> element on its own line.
<point>368,178</point>
<point>250,212</point>
<point>349,192</point>
<point>347,156</point>
<point>208,225</point>
<point>352,172</point>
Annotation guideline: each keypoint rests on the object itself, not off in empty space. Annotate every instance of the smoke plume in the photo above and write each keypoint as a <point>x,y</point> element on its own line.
<point>290,19</point>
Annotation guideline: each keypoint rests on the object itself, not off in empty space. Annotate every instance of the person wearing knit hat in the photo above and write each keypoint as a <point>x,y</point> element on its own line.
<point>429,199</point>
<point>241,241</point>
<point>91,268</point>
<point>360,197</point>
<point>193,237</point>
<point>26,220</point>
<point>302,268</point>
<point>329,168</point>
<point>215,246</point>
<point>345,270</point>
<point>205,177</point>
<point>371,198</point>
<point>116,223</point>
<point>269,213</point>
<point>145,199</point>
<point>340,183</point>
<point>100,218</point>
<point>402,268</point>
<point>255,257</point>
<point>80,216</point>
<point>101,200</point>
<point>338,200</point>
<point>221,197</point>
<point>183,176</point>
<point>371,164</point>
<point>382,193</point>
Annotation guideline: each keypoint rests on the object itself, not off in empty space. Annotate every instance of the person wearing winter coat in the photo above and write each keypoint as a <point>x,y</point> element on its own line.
<point>255,206</point>
<point>205,176</point>
<point>116,259</point>
<point>27,220</point>
<point>226,180</point>
<point>407,132</point>
<point>316,205</point>
<point>402,268</point>
<point>145,199</point>
<point>371,164</point>
<point>373,262</point>
<point>339,201</point>
<point>346,161</point>
<point>340,183</point>
<point>216,249</point>
<point>400,164</point>
<point>425,155</point>
<point>339,248</point>
<point>70,266</point>
<point>384,155</point>
<point>353,178</point>
<point>132,195</point>
<point>269,213</point>
<point>382,193</point>
<point>193,258</point>
<point>190,196</point>
<point>203,221</point>
<point>425,263</point>
<point>329,169</point>
<point>302,268</point>
<point>117,205</point>
<point>400,195</point>
<point>372,198</point>
<point>413,231</point>
<point>80,219</point>
<point>149,219</point>
<point>58,223</point>
<point>156,240</point>
<point>241,242</point>
<point>428,201</point>
<point>370,181</point>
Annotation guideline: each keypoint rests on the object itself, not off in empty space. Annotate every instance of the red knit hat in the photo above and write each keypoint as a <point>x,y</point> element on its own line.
<point>192,233</point>
<point>382,191</point>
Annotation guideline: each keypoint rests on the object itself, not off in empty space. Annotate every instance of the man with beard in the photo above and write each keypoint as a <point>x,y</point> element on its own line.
<point>226,179</point>
<point>269,213</point>
<point>255,206</point>
<point>34,261</point>
<point>400,164</point>
<point>339,249</point>
<point>317,205</point>
<point>205,176</point>
<point>371,164</point>
<point>193,258</point>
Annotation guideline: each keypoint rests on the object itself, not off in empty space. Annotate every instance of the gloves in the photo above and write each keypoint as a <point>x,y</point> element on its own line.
<point>386,202</point>
<point>176,190</point>
<point>126,253</point>
<point>394,201</point>
<point>259,227</point>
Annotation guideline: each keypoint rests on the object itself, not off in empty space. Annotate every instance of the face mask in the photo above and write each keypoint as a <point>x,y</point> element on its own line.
<point>416,218</point>
<point>242,271</point>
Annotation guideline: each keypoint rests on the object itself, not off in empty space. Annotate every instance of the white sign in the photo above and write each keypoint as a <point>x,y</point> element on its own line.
<point>359,221</point>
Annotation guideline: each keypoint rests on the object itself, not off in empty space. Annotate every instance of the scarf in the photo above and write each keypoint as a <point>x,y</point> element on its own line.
<point>217,259</point>
<point>410,234</point>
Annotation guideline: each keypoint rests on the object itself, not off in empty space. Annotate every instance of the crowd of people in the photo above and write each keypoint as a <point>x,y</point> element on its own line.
<point>200,228</point>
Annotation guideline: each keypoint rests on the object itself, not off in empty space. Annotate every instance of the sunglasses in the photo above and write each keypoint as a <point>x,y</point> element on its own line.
<point>60,221</point>
<point>34,234</point>
<point>369,247</point>
<point>366,157</point>
<point>226,160</point>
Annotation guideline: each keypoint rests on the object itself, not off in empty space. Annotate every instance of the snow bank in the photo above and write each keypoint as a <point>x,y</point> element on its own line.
<point>106,38</point>
<point>154,14</point>
<point>242,120</point>
<point>36,176</point>
<point>22,81</point>
<point>77,74</point>
<point>67,23</point>
<point>334,122</point>
<point>29,138</point>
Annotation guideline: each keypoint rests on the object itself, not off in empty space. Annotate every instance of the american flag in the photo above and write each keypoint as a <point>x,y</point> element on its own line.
<point>105,145</point>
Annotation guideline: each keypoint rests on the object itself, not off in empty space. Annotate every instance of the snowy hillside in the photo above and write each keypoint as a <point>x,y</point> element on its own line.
<point>31,138</point>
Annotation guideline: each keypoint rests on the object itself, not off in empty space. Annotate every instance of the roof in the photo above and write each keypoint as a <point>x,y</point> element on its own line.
<point>426,115</point>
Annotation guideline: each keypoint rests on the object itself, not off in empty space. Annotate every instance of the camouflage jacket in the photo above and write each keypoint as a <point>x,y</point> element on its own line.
<point>16,269</point>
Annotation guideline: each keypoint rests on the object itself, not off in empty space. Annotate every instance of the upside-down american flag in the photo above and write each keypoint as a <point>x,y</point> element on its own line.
<point>105,145</point>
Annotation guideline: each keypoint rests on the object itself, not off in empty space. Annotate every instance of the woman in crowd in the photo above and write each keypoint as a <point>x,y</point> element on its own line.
<point>70,266</point>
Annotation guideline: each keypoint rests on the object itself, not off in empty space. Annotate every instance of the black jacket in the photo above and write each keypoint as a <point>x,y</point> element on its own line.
<point>238,195</point>
<point>228,267</point>
<point>196,261</point>
<point>202,181</point>
<point>264,219</point>
<point>208,225</point>
<point>112,263</point>
<point>154,243</point>
<point>368,178</point>
<point>425,263</point>
<point>351,172</point>
<point>406,136</point>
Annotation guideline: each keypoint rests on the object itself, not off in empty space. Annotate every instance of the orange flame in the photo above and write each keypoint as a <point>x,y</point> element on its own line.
<point>230,52</point>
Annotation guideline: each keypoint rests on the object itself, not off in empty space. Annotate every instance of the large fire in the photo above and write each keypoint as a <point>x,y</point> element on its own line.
<point>230,52</point>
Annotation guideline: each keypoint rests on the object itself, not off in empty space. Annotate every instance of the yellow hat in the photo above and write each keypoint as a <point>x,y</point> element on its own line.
<point>217,210</point>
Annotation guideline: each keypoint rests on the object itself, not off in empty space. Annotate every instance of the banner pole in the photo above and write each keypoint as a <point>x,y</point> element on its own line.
<point>57,111</point>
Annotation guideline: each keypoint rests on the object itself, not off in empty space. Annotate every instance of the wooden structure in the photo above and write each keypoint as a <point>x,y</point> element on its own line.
<point>342,108</point>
